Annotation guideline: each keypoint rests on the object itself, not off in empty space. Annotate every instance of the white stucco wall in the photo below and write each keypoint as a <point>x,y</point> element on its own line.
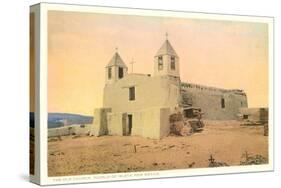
<point>117,123</point>
<point>149,92</point>
<point>167,66</point>
<point>114,74</point>
<point>156,122</point>
<point>137,129</point>
<point>100,121</point>
<point>150,123</point>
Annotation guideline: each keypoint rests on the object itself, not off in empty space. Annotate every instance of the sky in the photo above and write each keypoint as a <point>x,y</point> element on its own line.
<point>224,54</point>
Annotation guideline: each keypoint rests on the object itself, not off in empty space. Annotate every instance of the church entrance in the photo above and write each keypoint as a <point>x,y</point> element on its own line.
<point>130,123</point>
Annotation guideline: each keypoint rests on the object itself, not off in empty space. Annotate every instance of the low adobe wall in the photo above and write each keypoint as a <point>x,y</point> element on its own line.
<point>70,130</point>
<point>254,114</point>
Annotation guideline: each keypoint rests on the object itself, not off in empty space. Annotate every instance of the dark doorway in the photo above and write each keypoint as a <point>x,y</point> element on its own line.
<point>130,123</point>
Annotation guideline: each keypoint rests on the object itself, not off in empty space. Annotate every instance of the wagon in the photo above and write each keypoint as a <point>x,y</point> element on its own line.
<point>193,116</point>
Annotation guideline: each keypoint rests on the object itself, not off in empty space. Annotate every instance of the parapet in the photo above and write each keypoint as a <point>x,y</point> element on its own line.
<point>211,89</point>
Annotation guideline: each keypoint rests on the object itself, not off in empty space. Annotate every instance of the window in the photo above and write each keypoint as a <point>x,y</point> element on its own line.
<point>160,63</point>
<point>245,116</point>
<point>109,72</point>
<point>132,93</point>
<point>222,103</point>
<point>120,72</point>
<point>173,63</point>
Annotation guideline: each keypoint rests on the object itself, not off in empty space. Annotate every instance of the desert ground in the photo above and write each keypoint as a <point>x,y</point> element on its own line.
<point>226,141</point>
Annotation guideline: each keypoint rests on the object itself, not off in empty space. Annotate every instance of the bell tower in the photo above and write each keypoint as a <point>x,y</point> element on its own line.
<point>116,69</point>
<point>166,60</point>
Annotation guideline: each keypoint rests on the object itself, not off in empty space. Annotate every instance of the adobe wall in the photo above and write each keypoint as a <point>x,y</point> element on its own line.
<point>149,92</point>
<point>82,130</point>
<point>138,123</point>
<point>155,122</point>
<point>117,124</point>
<point>255,114</point>
<point>209,99</point>
<point>60,131</point>
<point>150,123</point>
<point>100,122</point>
<point>70,130</point>
<point>164,122</point>
<point>166,66</point>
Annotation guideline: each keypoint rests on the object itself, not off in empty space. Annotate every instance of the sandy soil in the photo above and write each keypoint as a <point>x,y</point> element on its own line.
<point>226,141</point>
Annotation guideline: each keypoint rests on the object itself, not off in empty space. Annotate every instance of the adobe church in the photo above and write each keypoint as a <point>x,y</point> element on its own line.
<point>140,104</point>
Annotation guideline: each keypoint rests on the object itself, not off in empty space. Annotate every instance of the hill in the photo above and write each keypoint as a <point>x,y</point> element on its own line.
<point>60,119</point>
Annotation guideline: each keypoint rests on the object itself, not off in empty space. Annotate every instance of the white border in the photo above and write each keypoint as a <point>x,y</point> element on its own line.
<point>36,176</point>
<point>45,7</point>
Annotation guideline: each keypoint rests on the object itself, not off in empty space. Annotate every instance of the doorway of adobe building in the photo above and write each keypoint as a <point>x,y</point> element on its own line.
<point>130,124</point>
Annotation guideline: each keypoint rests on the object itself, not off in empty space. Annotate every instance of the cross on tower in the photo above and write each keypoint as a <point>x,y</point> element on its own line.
<point>132,63</point>
<point>166,35</point>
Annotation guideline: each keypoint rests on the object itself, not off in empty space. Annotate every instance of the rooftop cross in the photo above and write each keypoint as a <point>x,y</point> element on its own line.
<point>132,63</point>
<point>166,35</point>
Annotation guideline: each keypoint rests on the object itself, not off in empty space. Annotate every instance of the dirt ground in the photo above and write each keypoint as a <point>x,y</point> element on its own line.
<point>225,141</point>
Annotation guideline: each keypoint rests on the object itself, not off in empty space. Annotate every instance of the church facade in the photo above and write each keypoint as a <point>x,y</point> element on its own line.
<point>141,104</point>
